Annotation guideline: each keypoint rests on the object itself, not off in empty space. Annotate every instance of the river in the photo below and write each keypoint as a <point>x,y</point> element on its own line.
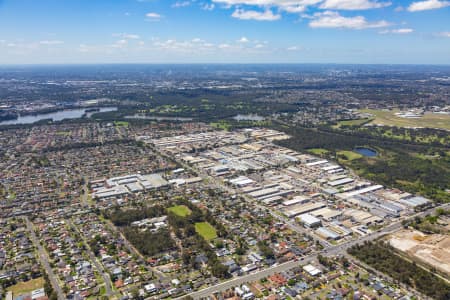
<point>56,116</point>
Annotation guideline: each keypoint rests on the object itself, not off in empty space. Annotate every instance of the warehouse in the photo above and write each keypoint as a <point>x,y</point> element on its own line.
<point>309,220</point>
<point>331,167</point>
<point>119,186</point>
<point>340,181</point>
<point>415,201</point>
<point>241,181</point>
<point>316,163</point>
<point>392,209</point>
<point>272,200</point>
<point>303,208</point>
<point>313,271</point>
<point>360,191</point>
<point>113,192</point>
<point>296,200</point>
<point>326,213</point>
<point>263,192</point>
<point>327,234</point>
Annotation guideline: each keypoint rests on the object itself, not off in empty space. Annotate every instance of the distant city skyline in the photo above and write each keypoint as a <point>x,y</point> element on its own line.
<point>224,31</point>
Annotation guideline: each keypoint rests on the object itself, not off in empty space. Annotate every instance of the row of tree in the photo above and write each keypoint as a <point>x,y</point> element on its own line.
<point>381,256</point>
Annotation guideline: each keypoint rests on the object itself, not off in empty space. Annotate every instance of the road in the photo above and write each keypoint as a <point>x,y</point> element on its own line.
<point>133,250</point>
<point>220,185</point>
<point>45,261</point>
<point>330,251</point>
<point>98,266</point>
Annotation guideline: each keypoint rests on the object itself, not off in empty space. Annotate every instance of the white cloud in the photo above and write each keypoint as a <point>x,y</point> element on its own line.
<point>120,44</point>
<point>427,5</point>
<point>293,48</point>
<point>51,42</point>
<point>444,34</point>
<point>294,8</point>
<point>207,6</point>
<point>127,36</point>
<point>153,16</point>
<point>330,19</point>
<point>291,6</point>
<point>179,4</point>
<point>353,4</point>
<point>268,2</point>
<point>267,15</point>
<point>243,40</point>
<point>398,31</point>
<point>224,46</point>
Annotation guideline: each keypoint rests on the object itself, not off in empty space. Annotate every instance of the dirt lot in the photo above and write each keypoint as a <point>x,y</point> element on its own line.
<point>432,249</point>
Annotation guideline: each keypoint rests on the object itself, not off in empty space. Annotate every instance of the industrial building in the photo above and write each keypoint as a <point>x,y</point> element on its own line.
<point>309,220</point>
<point>119,186</point>
<point>296,210</point>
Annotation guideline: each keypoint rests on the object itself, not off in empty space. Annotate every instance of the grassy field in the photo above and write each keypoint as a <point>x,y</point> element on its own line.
<point>121,123</point>
<point>429,120</point>
<point>318,151</point>
<point>352,122</point>
<point>26,287</point>
<point>180,210</point>
<point>349,155</point>
<point>205,230</point>
<point>221,125</point>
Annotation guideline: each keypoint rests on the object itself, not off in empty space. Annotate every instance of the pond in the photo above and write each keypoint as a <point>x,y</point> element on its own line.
<point>57,115</point>
<point>366,151</point>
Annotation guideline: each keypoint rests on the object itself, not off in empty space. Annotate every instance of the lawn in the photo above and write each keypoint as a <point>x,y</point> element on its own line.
<point>121,123</point>
<point>349,155</point>
<point>205,230</point>
<point>221,125</point>
<point>26,287</point>
<point>357,122</point>
<point>318,151</point>
<point>428,120</point>
<point>180,210</point>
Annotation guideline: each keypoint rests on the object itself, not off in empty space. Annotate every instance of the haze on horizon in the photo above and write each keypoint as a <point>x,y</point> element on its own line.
<point>224,31</point>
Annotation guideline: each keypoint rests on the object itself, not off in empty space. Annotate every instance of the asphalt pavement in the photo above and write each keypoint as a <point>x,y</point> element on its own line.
<point>45,261</point>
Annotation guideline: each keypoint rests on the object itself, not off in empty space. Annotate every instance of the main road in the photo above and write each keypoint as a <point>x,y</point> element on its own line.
<point>94,260</point>
<point>330,251</point>
<point>44,260</point>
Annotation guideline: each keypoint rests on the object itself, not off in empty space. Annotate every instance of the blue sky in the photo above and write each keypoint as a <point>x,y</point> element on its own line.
<point>224,31</point>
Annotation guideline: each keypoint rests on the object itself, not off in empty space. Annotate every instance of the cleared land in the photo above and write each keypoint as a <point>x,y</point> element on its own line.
<point>121,123</point>
<point>428,120</point>
<point>433,249</point>
<point>357,122</point>
<point>318,151</point>
<point>180,210</point>
<point>205,230</point>
<point>26,287</point>
<point>349,155</point>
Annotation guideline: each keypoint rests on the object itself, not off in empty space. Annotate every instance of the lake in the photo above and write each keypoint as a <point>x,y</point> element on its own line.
<point>366,151</point>
<point>250,117</point>
<point>56,116</point>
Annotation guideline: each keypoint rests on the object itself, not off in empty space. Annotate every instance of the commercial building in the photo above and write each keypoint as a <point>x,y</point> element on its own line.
<point>302,208</point>
<point>119,186</point>
<point>309,220</point>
